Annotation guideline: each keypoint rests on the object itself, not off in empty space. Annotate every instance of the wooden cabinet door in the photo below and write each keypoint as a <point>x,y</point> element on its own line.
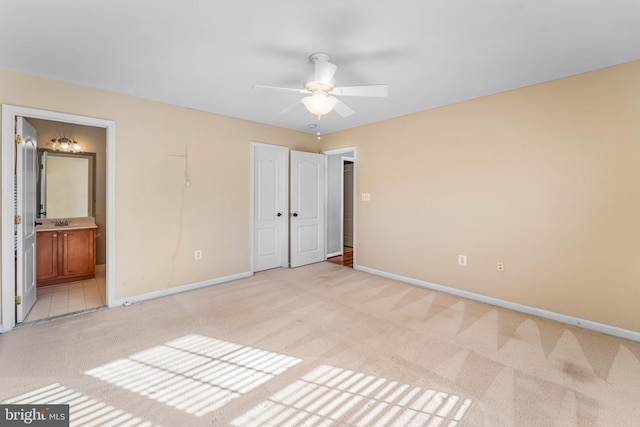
<point>46,255</point>
<point>78,253</point>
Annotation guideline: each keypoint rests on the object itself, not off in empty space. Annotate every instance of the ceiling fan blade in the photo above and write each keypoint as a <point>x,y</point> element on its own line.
<point>343,109</point>
<point>380,91</point>
<point>291,107</point>
<point>278,89</point>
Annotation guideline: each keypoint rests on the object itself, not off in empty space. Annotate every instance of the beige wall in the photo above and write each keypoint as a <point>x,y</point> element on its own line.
<point>159,220</point>
<point>545,179</point>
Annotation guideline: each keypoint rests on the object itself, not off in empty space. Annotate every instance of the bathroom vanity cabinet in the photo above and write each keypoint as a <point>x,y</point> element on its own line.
<point>65,255</point>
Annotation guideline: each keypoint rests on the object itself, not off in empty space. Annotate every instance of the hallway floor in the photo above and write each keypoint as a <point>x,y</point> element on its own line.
<point>346,259</point>
<point>57,300</point>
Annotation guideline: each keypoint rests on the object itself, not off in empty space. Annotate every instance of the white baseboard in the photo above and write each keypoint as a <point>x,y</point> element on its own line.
<point>334,254</point>
<point>179,289</point>
<point>563,318</point>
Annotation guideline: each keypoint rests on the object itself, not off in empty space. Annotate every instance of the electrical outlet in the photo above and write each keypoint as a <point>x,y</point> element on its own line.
<point>500,266</point>
<point>198,254</point>
<point>462,260</point>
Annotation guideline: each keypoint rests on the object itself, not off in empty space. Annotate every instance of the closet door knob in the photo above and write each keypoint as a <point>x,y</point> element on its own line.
<point>279,213</point>
<point>295,214</point>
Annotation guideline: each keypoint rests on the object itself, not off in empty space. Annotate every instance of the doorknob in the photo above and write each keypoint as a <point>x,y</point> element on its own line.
<point>279,213</point>
<point>295,214</point>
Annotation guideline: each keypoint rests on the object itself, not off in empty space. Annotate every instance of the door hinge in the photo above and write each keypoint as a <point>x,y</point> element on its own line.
<point>17,219</point>
<point>18,300</point>
<point>18,139</point>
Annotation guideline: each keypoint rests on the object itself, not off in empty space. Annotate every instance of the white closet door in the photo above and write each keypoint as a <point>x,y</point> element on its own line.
<point>307,208</point>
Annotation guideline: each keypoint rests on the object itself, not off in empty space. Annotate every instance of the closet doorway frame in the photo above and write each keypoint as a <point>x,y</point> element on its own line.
<point>342,152</point>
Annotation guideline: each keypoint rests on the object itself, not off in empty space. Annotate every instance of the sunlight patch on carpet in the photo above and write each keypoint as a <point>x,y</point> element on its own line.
<point>329,394</point>
<point>83,410</point>
<point>195,373</point>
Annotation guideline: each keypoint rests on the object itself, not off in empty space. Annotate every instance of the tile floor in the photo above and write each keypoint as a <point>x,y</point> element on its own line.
<point>56,300</point>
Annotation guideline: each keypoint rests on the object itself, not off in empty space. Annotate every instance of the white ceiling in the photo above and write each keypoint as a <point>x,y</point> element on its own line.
<point>207,55</point>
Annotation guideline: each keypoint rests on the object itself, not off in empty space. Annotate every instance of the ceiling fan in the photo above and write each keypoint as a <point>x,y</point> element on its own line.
<point>322,90</point>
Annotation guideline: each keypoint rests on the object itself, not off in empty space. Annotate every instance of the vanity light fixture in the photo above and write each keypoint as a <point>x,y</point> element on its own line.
<point>65,144</point>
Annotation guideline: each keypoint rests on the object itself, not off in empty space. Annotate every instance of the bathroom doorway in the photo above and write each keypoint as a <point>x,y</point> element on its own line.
<point>65,190</point>
<point>61,123</point>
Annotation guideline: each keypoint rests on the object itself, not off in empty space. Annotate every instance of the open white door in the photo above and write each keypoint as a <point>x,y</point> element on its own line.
<point>271,190</point>
<point>307,208</point>
<point>26,214</point>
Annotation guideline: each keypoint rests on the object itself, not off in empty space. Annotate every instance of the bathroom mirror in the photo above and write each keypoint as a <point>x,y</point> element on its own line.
<point>66,184</point>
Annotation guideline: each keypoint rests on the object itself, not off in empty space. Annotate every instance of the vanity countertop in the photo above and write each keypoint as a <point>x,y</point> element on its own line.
<point>65,224</point>
<point>75,227</point>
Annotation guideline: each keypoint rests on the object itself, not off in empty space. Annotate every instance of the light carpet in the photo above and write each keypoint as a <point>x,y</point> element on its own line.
<point>321,345</point>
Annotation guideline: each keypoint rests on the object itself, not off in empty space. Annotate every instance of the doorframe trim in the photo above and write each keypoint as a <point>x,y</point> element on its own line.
<point>7,277</point>
<point>355,198</point>
<point>285,241</point>
<point>351,159</point>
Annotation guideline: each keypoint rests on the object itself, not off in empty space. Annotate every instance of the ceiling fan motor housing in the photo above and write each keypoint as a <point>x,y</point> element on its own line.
<point>314,86</point>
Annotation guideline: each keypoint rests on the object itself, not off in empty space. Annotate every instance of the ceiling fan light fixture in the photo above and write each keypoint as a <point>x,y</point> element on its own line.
<point>319,103</point>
